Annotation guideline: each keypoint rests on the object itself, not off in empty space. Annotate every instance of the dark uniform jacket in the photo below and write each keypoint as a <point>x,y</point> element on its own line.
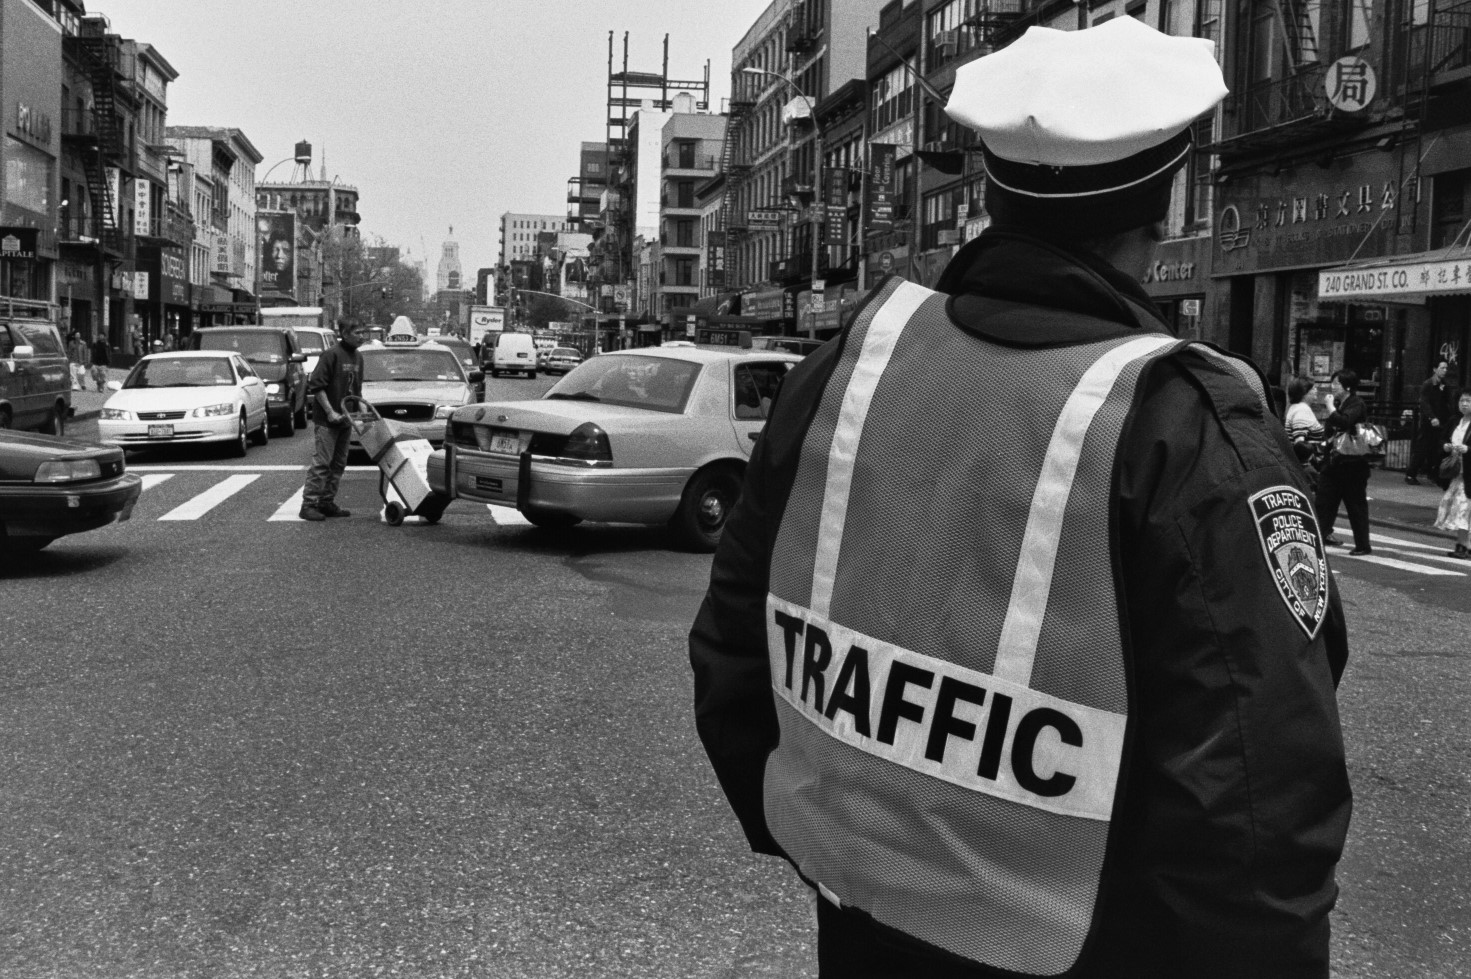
<point>1235,799</point>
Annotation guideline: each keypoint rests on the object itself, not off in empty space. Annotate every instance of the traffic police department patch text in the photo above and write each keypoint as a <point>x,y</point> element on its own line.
<point>1293,548</point>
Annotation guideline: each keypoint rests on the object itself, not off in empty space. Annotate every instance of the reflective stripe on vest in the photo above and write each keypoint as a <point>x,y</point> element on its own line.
<point>952,709</point>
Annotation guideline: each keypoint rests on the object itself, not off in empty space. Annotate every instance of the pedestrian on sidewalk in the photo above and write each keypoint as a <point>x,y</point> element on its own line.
<point>76,354</point>
<point>339,373</point>
<point>1003,738</point>
<point>1455,511</point>
<point>101,360</point>
<point>1304,428</point>
<point>1432,421</point>
<point>1345,477</point>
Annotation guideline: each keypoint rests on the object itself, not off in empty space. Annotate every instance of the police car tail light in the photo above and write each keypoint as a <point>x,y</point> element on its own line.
<point>588,443</point>
<point>68,471</point>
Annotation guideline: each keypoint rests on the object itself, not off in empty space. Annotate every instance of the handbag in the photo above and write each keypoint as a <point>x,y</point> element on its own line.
<point>1450,468</point>
<point>1367,439</point>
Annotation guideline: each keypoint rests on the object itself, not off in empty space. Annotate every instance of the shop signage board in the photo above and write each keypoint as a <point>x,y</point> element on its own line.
<point>763,220</point>
<point>142,208</point>
<point>767,305</point>
<point>1307,216</point>
<point>1410,278</point>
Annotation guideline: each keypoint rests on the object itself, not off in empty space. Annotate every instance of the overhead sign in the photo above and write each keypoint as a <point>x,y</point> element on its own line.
<point>763,220</point>
<point>1350,84</point>
<point>18,243</point>
<point>880,202</point>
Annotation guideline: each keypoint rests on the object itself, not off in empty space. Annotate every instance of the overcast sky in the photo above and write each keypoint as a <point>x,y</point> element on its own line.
<point>440,112</point>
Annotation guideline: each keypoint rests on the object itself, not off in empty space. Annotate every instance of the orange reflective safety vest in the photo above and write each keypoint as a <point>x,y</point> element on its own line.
<point>945,641</point>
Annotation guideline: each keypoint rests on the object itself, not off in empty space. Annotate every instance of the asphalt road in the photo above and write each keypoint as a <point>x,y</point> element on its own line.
<point>245,746</point>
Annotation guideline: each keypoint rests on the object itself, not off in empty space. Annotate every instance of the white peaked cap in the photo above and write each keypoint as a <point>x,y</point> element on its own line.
<point>1081,98</point>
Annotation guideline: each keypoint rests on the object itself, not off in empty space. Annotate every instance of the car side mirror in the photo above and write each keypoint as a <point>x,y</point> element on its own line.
<point>298,358</point>
<point>23,352</point>
<point>114,385</point>
<point>477,376</point>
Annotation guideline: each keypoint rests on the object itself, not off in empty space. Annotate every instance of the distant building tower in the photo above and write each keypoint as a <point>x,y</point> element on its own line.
<point>449,263</point>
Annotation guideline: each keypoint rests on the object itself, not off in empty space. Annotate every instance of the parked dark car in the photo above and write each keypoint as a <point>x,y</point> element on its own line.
<point>276,355</point>
<point>35,376</point>
<point>465,352</point>
<point>51,487</point>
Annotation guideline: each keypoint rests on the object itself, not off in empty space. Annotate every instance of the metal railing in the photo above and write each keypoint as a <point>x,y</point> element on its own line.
<point>37,309</point>
<point>1449,38</point>
<point>1286,100</point>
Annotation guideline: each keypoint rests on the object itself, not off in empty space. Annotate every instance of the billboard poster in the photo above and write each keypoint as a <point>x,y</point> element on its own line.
<point>276,235</point>
<point>880,202</point>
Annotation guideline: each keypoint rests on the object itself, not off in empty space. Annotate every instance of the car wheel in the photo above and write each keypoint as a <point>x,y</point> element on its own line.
<point>288,428</point>
<point>55,422</point>
<point>707,502</point>
<point>241,445</point>
<point>496,374</point>
<point>263,434</point>
<point>550,519</point>
<point>4,417</point>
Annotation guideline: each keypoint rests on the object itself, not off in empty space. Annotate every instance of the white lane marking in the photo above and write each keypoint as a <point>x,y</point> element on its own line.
<point>237,468</point>
<point>1406,543</point>
<point>1441,557</point>
<point>153,479</point>
<point>507,516</point>
<point>289,510</point>
<point>1390,562</point>
<point>210,498</point>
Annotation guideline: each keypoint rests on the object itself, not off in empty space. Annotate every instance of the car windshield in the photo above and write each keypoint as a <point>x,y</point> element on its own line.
<point>656,383</point>
<point>311,343</point>
<point>180,372</point>
<point>566,352</point>
<point>259,348</point>
<point>402,366</point>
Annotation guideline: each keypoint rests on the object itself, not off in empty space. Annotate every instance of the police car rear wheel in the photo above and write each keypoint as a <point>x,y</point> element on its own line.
<point>706,505</point>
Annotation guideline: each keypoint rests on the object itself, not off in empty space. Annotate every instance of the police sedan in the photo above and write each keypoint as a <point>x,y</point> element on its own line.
<point>658,435</point>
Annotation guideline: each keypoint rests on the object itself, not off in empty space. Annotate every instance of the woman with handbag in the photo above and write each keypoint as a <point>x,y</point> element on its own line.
<point>1455,510</point>
<point>1345,477</point>
<point>1304,429</point>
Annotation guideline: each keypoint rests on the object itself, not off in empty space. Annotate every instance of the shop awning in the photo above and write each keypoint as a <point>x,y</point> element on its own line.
<point>1403,278</point>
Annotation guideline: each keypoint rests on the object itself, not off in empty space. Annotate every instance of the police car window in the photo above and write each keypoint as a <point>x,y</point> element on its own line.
<point>44,339</point>
<point>7,343</point>
<point>310,342</point>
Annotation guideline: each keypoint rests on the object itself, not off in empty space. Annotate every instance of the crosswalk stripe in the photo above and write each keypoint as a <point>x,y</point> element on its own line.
<point>507,516</point>
<point>210,498</point>
<point>1390,562</point>
<point>151,480</point>
<point>1405,543</point>
<point>290,509</point>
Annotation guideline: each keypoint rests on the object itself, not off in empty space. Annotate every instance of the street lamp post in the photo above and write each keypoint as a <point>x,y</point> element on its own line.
<point>816,178</point>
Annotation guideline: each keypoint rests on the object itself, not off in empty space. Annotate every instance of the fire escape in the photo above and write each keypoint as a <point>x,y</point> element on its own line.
<point>629,91</point>
<point>101,137</point>
<point>735,165</point>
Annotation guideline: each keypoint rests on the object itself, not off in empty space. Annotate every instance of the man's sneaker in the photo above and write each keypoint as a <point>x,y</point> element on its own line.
<point>311,513</point>
<point>333,510</point>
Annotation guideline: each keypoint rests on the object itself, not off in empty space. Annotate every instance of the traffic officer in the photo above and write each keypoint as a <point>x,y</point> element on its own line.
<point>1021,644</point>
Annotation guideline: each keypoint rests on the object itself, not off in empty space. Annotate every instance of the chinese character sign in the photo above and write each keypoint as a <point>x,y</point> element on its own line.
<point>1350,84</point>
<point>880,201</point>
<point>835,200</point>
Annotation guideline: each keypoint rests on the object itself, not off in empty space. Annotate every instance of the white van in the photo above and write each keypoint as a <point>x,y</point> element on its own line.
<point>514,353</point>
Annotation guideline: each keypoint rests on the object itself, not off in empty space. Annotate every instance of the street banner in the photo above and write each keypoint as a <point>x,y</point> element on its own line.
<point>835,200</point>
<point>715,259</point>
<point>276,259</point>
<point>142,208</point>
<point>880,198</point>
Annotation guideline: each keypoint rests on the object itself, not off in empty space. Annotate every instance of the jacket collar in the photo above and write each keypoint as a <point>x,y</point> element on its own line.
<point>1030,282</point>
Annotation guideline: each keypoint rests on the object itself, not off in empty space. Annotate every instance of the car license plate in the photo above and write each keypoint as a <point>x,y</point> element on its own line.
<point>508,444</point>
<point>160,431</point>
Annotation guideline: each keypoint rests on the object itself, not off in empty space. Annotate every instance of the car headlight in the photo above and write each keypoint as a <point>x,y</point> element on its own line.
<point>117,415</point>
<point>67,471</point>
<point>208,410</point>
<point>273,389</point>
<point>444,411</point>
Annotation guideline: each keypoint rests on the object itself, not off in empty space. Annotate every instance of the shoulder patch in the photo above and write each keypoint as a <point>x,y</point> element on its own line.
<point>1293,548</point>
